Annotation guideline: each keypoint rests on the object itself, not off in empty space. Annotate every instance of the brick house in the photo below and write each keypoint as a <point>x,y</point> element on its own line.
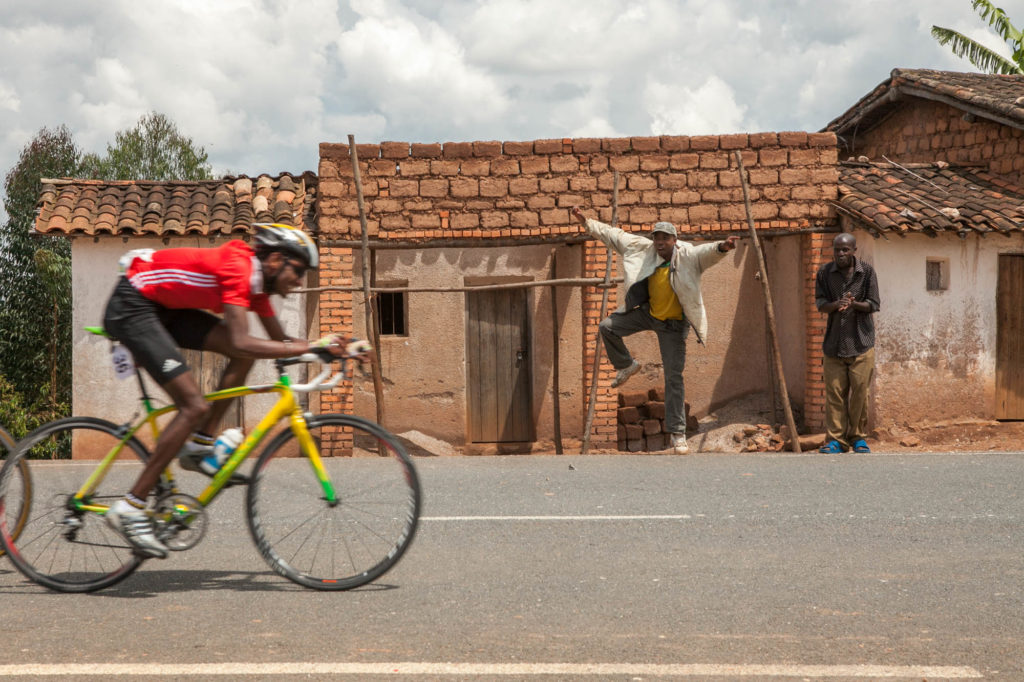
<point>477,369</point>
<point>935,175</point>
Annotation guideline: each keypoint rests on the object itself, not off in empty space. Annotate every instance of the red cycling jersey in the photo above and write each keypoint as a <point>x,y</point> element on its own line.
<point>203,279</point>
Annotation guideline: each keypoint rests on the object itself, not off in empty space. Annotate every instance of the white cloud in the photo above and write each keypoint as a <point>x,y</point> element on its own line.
<point>260,84</point>
<point>678,110</point>
<point>414,72</point>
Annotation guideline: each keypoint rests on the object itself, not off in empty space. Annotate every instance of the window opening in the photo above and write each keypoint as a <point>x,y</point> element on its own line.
<point>937,274</point>
<point>391,313</point>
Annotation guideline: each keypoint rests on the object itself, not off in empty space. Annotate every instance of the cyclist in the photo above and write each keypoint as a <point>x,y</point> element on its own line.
<point>161,302</point>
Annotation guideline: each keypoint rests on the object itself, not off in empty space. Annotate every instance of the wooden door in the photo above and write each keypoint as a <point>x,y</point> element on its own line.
<point>1010,338</point>
<point>498,367</point>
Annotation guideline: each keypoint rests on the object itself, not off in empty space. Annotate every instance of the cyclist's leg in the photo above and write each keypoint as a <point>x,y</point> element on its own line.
<point>192,410</point>
<point>217,341</point>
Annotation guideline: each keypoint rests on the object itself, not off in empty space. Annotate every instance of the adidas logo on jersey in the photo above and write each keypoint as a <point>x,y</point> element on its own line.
<point>171,364</point>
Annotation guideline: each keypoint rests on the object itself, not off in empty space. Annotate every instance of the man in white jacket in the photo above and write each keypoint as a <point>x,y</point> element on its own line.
<point>662,277</point>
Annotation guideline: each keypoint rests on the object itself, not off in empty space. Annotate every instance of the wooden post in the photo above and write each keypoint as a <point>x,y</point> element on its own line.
<point>592,402</point>
<point>556,408</point>
<point>371,312</point>
<point>776,355</point>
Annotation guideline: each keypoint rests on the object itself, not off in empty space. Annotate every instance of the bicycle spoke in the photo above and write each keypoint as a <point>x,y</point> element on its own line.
<point>350,542</point>
<point>61,548</point>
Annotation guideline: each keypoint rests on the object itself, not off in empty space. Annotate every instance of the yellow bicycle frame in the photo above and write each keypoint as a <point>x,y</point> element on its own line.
<point>286,406</point>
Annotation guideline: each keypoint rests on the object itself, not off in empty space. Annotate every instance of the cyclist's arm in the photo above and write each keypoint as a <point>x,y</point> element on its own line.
<point>243,344</point>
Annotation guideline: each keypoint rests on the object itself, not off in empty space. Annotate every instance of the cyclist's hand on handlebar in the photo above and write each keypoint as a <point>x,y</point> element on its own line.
<point>360,352</point>
<point>331,343</point>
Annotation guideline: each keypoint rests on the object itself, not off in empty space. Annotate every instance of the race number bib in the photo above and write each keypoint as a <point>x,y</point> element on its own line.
<point>124,364</point>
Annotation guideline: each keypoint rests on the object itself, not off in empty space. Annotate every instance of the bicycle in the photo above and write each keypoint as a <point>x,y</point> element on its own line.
<point>337,524</point>
<point>22,491</point>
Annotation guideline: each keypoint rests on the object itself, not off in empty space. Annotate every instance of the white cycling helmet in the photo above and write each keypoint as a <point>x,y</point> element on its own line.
<point>288,240</point>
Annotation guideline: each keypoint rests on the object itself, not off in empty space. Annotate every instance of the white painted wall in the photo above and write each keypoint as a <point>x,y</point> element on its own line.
<point>935,350</point>
<point>96,392</point>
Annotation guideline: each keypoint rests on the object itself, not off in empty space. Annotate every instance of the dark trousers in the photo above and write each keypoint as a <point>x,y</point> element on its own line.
<point>671,342</point>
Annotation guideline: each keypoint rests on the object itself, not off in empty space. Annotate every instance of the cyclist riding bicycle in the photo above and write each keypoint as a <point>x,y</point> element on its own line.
<point>160,304</point>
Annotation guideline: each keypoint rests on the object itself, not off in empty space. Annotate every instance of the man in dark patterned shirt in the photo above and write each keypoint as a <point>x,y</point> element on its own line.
<point>847,290</point>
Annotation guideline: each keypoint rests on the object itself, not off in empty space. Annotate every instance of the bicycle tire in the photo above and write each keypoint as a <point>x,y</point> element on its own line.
<point>20,497</point>
<point>62,548</point>
<point>353,542</point>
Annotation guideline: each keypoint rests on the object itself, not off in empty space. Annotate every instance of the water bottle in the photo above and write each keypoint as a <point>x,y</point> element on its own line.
<point>222,448</point>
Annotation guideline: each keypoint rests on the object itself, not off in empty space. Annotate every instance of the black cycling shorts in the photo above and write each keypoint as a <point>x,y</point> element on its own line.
<point>154,333</point>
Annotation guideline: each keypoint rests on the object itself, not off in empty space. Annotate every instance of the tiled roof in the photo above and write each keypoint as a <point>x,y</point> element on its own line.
<point>994,96</point>
<point>207,207</point>
<point>928,198</point>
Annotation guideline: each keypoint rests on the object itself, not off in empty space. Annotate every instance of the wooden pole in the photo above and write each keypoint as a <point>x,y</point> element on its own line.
<point>599,346</point>
<point>776,355</point>
<point>570,282</point>
<point>556,408</point>
<point>370,314</point>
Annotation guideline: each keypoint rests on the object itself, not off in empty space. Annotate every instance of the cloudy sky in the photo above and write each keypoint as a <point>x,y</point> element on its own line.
<point>260,83</point>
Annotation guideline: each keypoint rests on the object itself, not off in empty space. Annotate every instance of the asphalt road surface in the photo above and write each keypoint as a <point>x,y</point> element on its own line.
<point>720,567</point>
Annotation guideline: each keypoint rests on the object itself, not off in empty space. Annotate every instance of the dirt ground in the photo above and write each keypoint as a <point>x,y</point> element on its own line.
<point>950,437</point>
<point>718,428</point>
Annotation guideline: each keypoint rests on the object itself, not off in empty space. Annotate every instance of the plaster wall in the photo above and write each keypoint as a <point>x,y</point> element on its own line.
<point>424,372</point>
<point>94,273</point>
<point>935,350</point>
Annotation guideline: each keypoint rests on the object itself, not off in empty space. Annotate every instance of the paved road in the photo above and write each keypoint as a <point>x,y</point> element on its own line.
<point>760,567</point>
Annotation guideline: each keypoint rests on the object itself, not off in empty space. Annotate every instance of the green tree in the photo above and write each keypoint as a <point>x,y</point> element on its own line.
<point>35,349</point>
<point>153,150</point>
<point>983,57</point>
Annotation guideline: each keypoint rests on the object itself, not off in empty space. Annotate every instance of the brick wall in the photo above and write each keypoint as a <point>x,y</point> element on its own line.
<point>923,131</point>
<point>817,250</point>
<point>487,190</point>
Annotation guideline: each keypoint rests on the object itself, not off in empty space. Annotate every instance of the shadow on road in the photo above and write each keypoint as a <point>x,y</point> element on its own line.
<point>152,583</point>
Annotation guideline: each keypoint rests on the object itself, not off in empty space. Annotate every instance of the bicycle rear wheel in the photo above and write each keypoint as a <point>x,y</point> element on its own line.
<point>63,547</point>
<point>347,543</point>
<point>20,495</point>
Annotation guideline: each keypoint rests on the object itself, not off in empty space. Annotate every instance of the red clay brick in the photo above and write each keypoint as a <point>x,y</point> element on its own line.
<point>475,167</point>
<point>792,139</point>
<point>457,150</point>
<point>505,167</point>
<point>704,142</point>
<point>488,149</point>
<point>735,141</point>
<point>465,187</point>
<point>536,165</point>
<point>645,144</point>
<point>684,161</point>
<point>547,146</point>
<point>394,150</point>
<point>522,186</point>
<point>518,148</point>
<point>758,140</point>
<point>675,143</point>
<point>586,145</point>
<point>564,164</point>
<point>615,145</point>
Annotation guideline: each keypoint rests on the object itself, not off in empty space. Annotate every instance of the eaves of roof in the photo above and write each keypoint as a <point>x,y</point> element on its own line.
<point>225,206</point>
<point>996,97</point>
<point>928,198</point>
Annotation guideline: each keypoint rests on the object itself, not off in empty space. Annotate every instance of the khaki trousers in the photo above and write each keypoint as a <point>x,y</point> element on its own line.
<point>847,383</point>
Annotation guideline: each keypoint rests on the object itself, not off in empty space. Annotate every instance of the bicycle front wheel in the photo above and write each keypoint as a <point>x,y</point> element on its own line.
<point>20,496</point>
<point>63,546</point>
<point>345,542</point>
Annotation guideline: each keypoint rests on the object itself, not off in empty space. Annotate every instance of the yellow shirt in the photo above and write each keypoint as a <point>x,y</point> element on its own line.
<point>664,302</point>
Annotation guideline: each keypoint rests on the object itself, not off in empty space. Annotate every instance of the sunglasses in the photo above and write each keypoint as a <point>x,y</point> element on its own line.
<point>298,267</point>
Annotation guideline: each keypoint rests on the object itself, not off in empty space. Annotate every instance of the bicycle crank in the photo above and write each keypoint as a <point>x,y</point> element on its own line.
<point>180,521</point>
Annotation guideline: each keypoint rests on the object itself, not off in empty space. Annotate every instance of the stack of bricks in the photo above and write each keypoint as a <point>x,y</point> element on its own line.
<point>641,421</point>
